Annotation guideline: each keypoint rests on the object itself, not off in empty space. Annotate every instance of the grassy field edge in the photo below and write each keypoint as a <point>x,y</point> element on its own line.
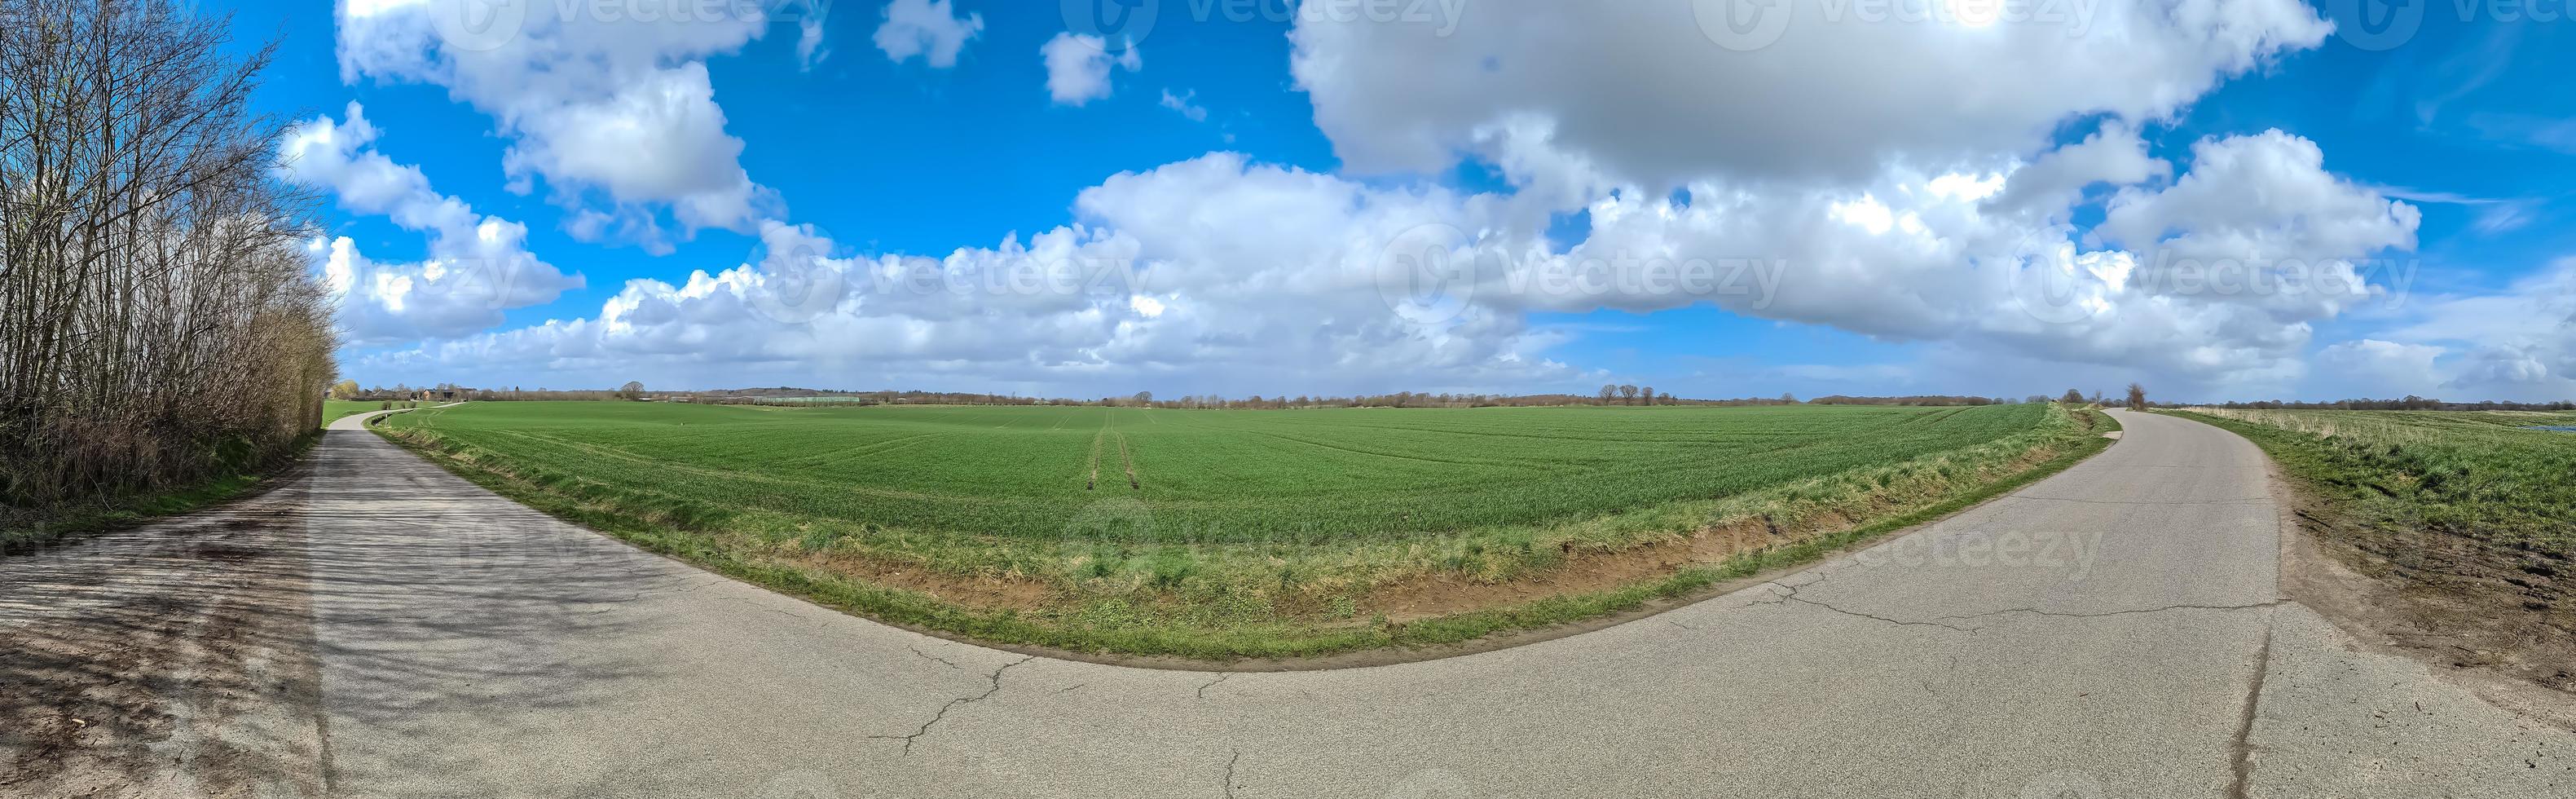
<point>931,615</point>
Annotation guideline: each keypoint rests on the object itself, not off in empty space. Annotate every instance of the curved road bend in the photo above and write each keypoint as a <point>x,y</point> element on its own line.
<point>2114,631</point>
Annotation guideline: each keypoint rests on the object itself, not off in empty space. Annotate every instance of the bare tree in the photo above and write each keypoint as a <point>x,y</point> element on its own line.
<point>2137,397</point>
<point>1648,393</point>
<point>1609,391</point>
<point>158,325</point>
<point>633,390</point>
<point>2073,397</point>
<point>1628,393</point>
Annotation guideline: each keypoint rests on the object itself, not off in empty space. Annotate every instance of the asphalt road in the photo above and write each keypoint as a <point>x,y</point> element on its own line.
<point>2114,631</point>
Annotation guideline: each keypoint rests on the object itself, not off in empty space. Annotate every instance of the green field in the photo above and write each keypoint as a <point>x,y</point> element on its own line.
<point>2451,496</point>
<point>1213,532</point>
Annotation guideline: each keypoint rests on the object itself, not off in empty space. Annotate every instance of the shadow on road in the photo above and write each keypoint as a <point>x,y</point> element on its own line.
<point>186,657</point>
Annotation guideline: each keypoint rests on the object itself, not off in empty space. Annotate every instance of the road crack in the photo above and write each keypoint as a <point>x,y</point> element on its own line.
<point>2243,748</point>
<point>1897,622</point>
<point>2177,502</point>
<point>1221,677</point>
<point>916,649</point>
<point>2110,613</point>
<point>953,704</point>
<point>1229,773</point>
<point>1791,595</point>
<point>1783,593</point>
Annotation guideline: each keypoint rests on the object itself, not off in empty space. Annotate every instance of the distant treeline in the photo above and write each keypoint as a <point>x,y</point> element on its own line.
<point>1920,399</point>
<point>2410,403</point>
<point>451,392</point>
<point>1400,399</point>
<point>159,326</point>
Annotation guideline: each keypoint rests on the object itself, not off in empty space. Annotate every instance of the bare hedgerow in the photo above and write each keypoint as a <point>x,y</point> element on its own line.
<point>158,324</point>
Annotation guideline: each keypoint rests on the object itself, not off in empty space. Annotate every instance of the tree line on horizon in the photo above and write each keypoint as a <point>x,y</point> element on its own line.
<point>2409,403</point>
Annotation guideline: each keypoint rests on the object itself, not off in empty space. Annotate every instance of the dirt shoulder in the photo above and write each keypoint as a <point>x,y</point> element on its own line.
<point>2461,617</point>
<point>171,660</point>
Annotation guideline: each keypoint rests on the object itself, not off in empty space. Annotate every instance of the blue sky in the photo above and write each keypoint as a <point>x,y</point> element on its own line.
<point>2442,153</point>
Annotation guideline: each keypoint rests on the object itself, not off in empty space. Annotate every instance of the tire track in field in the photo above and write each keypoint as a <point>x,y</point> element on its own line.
<point>1108,432</point>
<point>823,457</point>
<point>1125,460</point>
<point>1093,483</point>
<point>1366,452</point>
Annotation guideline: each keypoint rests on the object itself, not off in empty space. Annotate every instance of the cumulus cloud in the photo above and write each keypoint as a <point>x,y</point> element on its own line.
<point>2518,343</point>
<point>2371,368</point>
<point>1077,66</point>
<point>478,266</point>
<point>1924,203</point>
<point>809,43</point>
<point>1647,94</point>
<point>1128,292</point>
<point>2113,155</point>
<point>929,29</point>
<point>1186,104</point>
<point>611,104</point>
<point>2261,198</point>
<point>1913,256</point>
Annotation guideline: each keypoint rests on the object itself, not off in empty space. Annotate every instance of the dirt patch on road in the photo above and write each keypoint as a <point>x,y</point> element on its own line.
<point>2433,599</point>
<point>170,660</point>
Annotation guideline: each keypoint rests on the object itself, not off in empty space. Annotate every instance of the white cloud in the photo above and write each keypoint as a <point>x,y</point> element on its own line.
<point>2375,369</point>
<point>478,266</point>
<point>1132,293</point>
<point>927,28</point>
<point>1643,93</point>
<point>1186,104</point>
<point>809,43</point>
<point>1078,65</point>
<point>2261,198</point>
<point>628,143</point>
<point>600,105</point>
<point>1921,203</point>
<point>2113,155</point>
<point>2516,344</point>
<point>1932,257</point>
